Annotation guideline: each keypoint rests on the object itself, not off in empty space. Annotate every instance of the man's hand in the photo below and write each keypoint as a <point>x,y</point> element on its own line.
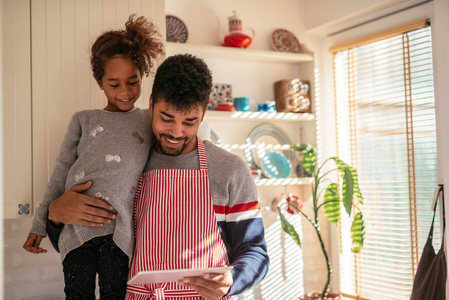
<point>211,286</point>
<point>75,208</point>
<point>33,242</point>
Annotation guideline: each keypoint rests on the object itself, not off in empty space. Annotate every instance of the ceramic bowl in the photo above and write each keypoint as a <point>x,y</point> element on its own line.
<point>275,165</point>
<point>225,107</point>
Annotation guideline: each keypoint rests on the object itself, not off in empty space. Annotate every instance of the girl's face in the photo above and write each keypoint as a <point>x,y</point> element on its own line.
<point>122,84</point>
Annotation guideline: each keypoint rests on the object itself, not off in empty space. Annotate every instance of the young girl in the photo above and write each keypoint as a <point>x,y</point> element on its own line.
<point>110,148</point>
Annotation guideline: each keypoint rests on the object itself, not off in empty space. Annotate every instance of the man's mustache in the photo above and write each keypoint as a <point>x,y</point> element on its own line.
<point>170,137</point>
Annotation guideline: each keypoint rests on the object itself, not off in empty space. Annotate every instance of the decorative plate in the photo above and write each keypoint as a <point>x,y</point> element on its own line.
<point>214,138</point>
<point>258,140</point>
<point>176,29</point>
<point>285,41</point>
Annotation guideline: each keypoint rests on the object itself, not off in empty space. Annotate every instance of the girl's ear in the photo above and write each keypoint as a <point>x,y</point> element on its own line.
<point>99,84</point>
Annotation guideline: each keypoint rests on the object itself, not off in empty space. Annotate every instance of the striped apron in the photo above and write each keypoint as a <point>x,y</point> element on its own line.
<point>176,228</point>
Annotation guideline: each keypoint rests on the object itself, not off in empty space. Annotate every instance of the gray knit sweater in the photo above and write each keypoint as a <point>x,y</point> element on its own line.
<point>111,149</point>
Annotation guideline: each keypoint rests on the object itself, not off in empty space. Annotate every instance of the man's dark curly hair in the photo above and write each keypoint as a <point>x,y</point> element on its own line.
<point>140,41</point>
<point>183,81</point>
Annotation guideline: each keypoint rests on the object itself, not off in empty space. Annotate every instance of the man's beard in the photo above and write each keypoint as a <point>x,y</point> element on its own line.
<point>171,151</point>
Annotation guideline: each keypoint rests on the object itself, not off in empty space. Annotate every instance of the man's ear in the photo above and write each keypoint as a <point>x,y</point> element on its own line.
<point>204,112</point>
<point>151,105</point>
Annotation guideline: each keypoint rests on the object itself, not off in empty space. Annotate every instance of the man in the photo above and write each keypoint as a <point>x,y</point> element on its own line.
<point>196,204</point>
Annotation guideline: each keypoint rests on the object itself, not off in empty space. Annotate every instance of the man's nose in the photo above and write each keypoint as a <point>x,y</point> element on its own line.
<point>176,131</point>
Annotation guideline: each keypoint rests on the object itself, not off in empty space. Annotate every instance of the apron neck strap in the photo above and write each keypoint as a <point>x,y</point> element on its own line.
<point>202,154</point>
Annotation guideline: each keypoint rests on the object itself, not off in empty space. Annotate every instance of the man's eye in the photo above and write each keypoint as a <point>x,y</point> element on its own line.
<point>189,124</point>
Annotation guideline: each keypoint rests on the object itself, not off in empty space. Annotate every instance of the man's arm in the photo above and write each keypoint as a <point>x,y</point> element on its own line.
<point>243,232</point>
<point>237,210</point>
<point>75,208</point>
<point>247,251</point>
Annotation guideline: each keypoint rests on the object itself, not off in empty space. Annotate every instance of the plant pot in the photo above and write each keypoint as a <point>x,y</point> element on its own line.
<point>317,296</point>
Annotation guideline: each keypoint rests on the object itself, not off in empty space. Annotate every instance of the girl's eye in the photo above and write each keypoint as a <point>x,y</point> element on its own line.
<point>133,83</point>
<point>114,85</point>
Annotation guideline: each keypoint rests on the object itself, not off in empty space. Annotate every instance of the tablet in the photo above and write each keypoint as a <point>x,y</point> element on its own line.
<point>146,277</point>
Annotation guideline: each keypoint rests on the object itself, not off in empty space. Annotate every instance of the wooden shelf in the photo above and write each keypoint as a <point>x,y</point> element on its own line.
<point>207,51</point>
<point>213,115</point>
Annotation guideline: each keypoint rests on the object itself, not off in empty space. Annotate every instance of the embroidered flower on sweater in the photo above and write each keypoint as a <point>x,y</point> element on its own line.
<point>96,131</point>
<point>111,157</point>
<point>101,197</point>
<point>79,176</point>
<point>137,136</point>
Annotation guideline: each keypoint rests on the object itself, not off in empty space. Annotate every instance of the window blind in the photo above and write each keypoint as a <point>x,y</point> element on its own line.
<point>385,112</point>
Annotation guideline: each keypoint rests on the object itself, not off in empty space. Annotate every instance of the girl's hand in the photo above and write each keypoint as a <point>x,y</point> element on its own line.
<point>33,242</point>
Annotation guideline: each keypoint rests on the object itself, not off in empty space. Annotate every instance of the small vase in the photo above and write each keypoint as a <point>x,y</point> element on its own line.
<point>236,37</point>
<point>317,296</point>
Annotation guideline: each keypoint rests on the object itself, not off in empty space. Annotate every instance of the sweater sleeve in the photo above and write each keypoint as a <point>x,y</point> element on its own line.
<point>56,185</point>
<point>53,234</point>
<point>244,233</point>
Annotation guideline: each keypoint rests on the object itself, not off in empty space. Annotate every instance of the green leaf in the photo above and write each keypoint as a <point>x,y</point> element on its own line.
<point>302,148</point>
<point>357,192</point>
<point>347,190</point>
<point>332,204</point>
<point>358,233</point>
<point>341,165</point>
<point>309,161</point>
<point>289,229</point>
<point>348,183</point>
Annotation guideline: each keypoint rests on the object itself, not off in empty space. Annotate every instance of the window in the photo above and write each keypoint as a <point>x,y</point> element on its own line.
<point>385,112</point>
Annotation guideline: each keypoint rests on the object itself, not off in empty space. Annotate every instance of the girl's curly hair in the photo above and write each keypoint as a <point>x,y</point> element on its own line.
<point>140,41</point>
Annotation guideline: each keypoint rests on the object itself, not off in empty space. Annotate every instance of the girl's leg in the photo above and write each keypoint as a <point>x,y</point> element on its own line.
<point>113,266</point>
<point>79,268</point>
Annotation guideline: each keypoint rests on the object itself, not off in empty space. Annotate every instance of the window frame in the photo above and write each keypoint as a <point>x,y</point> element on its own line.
<point>437,12</point>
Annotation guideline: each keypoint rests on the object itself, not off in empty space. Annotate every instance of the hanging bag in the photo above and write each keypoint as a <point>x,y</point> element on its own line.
<point>430,278</point>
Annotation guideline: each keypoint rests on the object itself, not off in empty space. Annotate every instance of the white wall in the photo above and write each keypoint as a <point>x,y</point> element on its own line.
<point>1,149</point>
<point>327,17</point>
<point>16,117</point>
<point>200,17</point>
<point>62,32</point>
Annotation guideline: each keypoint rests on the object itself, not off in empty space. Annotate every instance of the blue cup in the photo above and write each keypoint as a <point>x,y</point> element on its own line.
<point>241,103</point>
<point>266,106</point>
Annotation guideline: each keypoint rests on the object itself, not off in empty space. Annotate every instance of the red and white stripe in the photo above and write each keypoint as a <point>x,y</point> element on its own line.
<point>239,212</point>
<point>175,227</point>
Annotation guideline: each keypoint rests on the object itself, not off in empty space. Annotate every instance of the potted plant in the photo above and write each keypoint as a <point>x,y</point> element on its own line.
<point>349,196</point>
